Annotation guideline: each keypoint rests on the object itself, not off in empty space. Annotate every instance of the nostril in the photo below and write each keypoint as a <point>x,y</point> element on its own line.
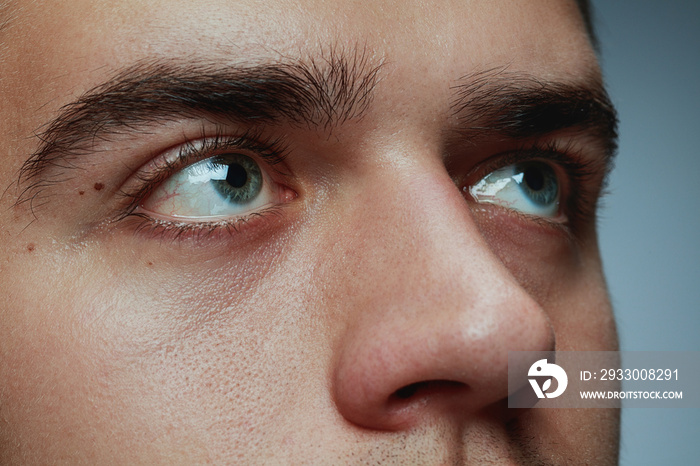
<point>408,391</point>
<point>428,388</point>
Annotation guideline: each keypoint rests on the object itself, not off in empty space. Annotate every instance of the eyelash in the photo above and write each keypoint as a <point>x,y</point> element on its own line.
<point>272,152</point>
<point>581,174</point>
<point>579,200</point>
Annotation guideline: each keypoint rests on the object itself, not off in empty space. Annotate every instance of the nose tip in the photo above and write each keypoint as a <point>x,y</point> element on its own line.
<point>444,367</point>
<point>431,312</point>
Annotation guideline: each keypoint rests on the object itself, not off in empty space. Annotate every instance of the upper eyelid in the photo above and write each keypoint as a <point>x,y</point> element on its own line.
<point>564,156</point>
<point>272,151</point>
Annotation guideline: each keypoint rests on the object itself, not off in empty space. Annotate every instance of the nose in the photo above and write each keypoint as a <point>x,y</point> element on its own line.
<point>433,311</point>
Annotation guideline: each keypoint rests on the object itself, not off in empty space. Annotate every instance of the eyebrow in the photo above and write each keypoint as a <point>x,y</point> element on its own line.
<point>518,105</point>
<point>320,93</point>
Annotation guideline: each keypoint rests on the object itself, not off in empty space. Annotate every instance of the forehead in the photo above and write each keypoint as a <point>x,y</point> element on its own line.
<point>542,37</point>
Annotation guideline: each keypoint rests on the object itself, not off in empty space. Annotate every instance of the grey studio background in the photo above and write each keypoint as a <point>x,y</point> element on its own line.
<point>650,223</point>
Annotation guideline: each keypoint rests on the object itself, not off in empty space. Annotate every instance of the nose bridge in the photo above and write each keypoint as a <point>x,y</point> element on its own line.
<point>429,306</point>
<point>416,232</point>
<point>418,254</point>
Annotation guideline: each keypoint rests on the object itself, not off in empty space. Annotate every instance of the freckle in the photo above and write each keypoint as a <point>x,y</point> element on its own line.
<point>99,186</point>
<point>81,192</point>
<point>150,263</point>
<point>30,247</point>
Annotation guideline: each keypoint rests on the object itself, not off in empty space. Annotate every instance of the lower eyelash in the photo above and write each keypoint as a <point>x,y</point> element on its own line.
<point>167,230</point>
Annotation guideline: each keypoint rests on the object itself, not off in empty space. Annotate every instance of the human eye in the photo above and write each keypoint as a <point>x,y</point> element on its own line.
<point>210,184</point>
<point>530,188</point>
<point>227,185</point>
<point>553,183</point>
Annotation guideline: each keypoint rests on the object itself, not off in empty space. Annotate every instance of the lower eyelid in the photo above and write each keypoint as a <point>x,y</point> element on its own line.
<point>492,216</point>
<point>202,233</point>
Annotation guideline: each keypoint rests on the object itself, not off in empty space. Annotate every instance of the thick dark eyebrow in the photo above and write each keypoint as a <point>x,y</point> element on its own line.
<point>323,92</point>
<point>521,106</point>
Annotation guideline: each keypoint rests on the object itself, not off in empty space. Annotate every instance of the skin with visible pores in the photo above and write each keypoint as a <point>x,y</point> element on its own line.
<point>367,319</point>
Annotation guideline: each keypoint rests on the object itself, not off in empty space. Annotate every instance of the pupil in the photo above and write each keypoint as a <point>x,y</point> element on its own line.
<point>236,176</point>
<point>534,178</point>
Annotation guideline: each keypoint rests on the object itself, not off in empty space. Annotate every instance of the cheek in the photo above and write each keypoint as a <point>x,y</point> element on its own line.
<point>585,319</point>
<point>542,258</point>
<point>54,390</point>
<point>575,431</point>
<point>142,358</point>
<point>562,274</point>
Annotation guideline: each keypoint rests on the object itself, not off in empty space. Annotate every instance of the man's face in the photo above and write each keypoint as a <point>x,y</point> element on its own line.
<point>296,231</point>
